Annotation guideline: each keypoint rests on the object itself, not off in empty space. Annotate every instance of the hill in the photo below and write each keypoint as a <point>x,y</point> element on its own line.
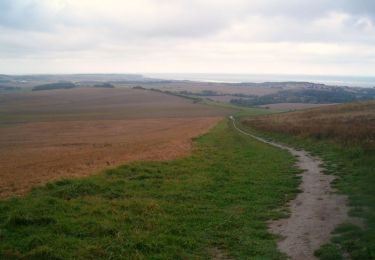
<point>63,133</point>
<point>343,136</point>
<point>104,85</point>
<point>53,86</point>
<point>310,96</point>
<point>352,123</point>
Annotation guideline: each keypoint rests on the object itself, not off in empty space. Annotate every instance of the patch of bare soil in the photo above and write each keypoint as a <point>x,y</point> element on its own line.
<point>38,152</point>
<point>314,213</point>
<point>218,254</point>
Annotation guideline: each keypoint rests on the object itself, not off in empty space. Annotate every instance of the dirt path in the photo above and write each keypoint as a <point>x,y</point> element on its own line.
<point>315,212</point>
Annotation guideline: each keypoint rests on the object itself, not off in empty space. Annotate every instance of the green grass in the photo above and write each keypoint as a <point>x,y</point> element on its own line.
<point>240,111</point>
<point>219,199</point>
<point>355,170</point>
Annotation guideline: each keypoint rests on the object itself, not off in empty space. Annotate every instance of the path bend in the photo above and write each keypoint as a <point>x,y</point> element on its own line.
<point>314,213</point>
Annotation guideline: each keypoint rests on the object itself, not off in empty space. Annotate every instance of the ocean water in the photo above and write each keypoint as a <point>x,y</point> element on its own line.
<point>353,81</point>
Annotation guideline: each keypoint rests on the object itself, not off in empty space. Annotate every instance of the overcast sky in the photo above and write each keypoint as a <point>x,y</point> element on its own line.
<point>217,36</point>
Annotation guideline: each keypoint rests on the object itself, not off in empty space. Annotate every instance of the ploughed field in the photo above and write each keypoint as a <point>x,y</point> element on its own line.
<point>57,134</point>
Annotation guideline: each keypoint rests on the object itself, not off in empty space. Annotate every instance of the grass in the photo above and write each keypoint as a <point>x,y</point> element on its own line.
<point>215,202</point>
<point>348,124</point>
<point>241,111</point>
<point>353,163</point>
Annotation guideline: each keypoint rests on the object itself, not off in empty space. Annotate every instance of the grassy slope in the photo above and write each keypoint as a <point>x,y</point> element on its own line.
<point>354,166</point>
<point>348,124</point>
<point>214,202</point>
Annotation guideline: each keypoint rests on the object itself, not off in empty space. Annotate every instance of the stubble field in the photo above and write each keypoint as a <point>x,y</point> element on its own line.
<point>69,133</point>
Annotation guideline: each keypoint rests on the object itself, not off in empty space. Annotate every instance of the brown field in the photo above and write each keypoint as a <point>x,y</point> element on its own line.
<point>57,134</point>
<point>348,124</point>
<point>292,106</point>
<point>97,103</point>
<point>221,88</point>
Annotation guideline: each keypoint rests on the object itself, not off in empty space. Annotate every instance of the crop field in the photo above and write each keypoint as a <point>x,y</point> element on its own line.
<point>158,176</point>
<point>68,133</point>
<point>212,204</point>
<point>197,87</point>
<point>97,103</point>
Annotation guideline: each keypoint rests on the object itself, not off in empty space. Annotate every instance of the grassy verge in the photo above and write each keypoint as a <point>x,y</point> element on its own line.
<point>213,203</point>
<point>354,167</point>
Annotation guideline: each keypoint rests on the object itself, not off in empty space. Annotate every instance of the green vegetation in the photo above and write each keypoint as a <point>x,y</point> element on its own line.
<point>345,124</point>
<point>104,85</point>
<point>203,93</point>
<point>53,86</point>
<point>240,111</point>
<point>313,96</point>
<point>291,92</point>
<point>9,88</point>
<point>215,202</point>
<point>352,162</point>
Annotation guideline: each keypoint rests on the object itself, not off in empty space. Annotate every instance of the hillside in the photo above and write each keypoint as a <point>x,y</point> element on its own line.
<point>244,93</point>
<point>258,94</point>
<point>54,134</point>
<point>213,204</point>
<point>343,137</point>
<point>310,96</point>
<point>52,86</point>
<point>352,123</point>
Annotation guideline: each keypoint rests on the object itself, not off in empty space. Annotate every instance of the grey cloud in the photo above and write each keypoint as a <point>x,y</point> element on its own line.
<point>23,15</point>
<point>197,18</point>
<point>36,28</point>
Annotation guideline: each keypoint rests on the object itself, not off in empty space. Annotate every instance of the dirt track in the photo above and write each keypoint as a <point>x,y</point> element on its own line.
<point>315,212</point>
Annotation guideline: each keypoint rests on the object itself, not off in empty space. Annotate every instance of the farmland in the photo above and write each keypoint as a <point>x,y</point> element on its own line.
<point>48,135</point>
<point>96,104</point>
<point>178,130</point>
<point>212,204</point>
<point>142,173</point>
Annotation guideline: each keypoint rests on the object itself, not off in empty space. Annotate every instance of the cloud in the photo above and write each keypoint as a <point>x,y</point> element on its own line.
<point>187,35</point>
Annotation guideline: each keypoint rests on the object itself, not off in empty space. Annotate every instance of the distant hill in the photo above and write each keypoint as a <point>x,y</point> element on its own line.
<point>104,85</point>
<point>71,77</point>
<point>311,95</point>
<point>52,86</point>
<point>8,88</point>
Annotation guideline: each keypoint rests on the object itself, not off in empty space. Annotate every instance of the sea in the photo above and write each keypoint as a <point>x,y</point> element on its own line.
<point>352,81</point>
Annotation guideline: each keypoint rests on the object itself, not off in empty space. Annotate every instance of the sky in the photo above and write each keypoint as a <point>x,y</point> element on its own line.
<point>320,37</point>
